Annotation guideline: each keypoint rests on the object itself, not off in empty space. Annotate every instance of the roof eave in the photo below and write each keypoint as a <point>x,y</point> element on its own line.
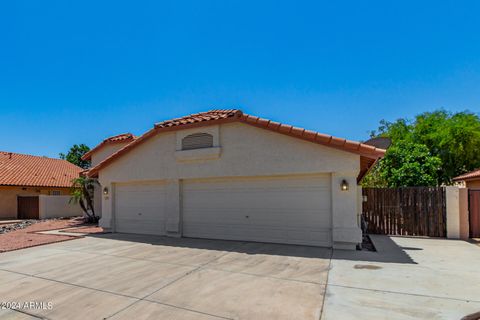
<point>466,179</point>
<point>33,186</point>
<point>88,156</point>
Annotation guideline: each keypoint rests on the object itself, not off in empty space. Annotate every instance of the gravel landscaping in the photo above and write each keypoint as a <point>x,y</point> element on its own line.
<point>16,226</point>
<point>24,234</point>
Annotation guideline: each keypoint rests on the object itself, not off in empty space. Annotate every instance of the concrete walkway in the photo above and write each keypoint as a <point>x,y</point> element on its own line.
<point>408,278</point>
<point>117,276</point>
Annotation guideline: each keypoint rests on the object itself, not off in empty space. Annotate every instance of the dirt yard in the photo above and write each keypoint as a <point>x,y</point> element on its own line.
<point>29,236</point>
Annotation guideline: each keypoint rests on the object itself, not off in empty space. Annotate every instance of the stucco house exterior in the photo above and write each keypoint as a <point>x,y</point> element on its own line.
<point>470,179</point>
<point>32,187</point>
<point>223,174</point>
<point>99,153</point>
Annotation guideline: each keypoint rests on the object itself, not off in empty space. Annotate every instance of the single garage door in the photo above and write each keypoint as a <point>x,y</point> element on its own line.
<point>140,208</point>
<point>290,209</point>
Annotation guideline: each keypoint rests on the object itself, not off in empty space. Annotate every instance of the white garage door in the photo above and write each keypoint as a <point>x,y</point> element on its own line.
<point>293,209</point>
<point>140,208</point>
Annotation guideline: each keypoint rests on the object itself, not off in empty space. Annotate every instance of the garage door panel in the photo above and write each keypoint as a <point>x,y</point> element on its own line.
<point>259,216</point>
<point>319,236</point>
<point>140,208</point>
<point>140,227</point>
<point>285,209</point>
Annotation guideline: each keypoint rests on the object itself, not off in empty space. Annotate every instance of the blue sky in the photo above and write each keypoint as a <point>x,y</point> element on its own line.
<point>76,72</point>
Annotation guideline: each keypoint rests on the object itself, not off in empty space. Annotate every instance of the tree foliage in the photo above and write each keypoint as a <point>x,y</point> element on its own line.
<point>408,164</point>
<point>82,193</point>
<point>75,155</point>
<point>448,141</point>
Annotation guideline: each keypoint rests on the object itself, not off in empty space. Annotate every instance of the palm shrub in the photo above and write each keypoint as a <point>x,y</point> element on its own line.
<point>82,193</point>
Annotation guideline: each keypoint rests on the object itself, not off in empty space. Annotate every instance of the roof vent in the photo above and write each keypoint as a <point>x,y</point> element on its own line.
<point>197,141</point>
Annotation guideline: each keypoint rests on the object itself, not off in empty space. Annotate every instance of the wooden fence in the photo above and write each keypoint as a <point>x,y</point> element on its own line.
<point>415,211</point>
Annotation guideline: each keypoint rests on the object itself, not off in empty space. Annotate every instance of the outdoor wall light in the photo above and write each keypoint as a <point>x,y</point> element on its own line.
<point>344,185</point>
<point>105,191</point>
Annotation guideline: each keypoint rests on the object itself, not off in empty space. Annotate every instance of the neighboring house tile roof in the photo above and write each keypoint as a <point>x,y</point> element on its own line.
<point>233,115</point>
<point>119,138</point>
<point>475,174</point>
<point>26,170</point>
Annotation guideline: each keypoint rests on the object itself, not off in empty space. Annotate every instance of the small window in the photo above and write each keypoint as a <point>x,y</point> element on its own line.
<point>55,192</point>
<point>197,141</point>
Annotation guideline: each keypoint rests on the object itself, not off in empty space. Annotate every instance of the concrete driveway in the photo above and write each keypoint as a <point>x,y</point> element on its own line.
<point>139,277</point>
<point>408,278</point>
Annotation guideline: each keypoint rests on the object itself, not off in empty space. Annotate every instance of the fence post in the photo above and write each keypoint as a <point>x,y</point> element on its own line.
<point>456,207</point>
<point>42,207</point>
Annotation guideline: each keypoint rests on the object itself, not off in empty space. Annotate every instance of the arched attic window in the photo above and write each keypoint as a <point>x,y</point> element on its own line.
<point>197,141</point>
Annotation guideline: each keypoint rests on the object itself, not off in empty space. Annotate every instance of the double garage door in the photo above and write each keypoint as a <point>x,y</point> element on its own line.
<point>293,209</point>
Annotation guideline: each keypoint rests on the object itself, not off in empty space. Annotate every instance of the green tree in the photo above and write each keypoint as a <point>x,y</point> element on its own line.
<point>75,155</point>
<point>408,164</point>
<point>454,138</point>
<point>374,178</point>
<point>82,193</point>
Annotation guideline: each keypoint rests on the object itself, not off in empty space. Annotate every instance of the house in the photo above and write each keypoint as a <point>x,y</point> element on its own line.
<point>28,184</point>
<point>223,174</point>
<point>101,152</point>
<point>471,179</point>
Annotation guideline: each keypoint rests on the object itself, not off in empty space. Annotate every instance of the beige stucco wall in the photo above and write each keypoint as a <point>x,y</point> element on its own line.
<point>105,151</point>
<point>245,151</point>
<point>57,206</point>
<point>8,197</point>
<point>97,157</point>
<point>242,151</point>
<point>457,212</point>
<point>453,212</point>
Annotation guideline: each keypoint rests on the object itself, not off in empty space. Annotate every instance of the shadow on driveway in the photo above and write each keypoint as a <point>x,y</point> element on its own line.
<point>387,250</point>
<point>223,245</point>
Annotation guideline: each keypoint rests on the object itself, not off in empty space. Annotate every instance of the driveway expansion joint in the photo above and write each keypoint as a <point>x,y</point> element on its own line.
<point>326,283</point>
<point>145,298</point>
<point>113,293</point>
<point>265,276</point>
<point>31,314</point>
<point>404,293</point>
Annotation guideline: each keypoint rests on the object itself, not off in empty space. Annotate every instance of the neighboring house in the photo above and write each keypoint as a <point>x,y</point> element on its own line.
<point>224,174</point>
<point>471,179</point>
<point>106,148</point>
<point>24,179</point>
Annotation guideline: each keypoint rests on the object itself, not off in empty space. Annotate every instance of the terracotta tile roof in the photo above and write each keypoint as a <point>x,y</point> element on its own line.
<point>233,115</point>
<point>120,137</point>
<point>468,176</point>
<point>124,137</point>
<point>199,117</point>
<point>26,170</point>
